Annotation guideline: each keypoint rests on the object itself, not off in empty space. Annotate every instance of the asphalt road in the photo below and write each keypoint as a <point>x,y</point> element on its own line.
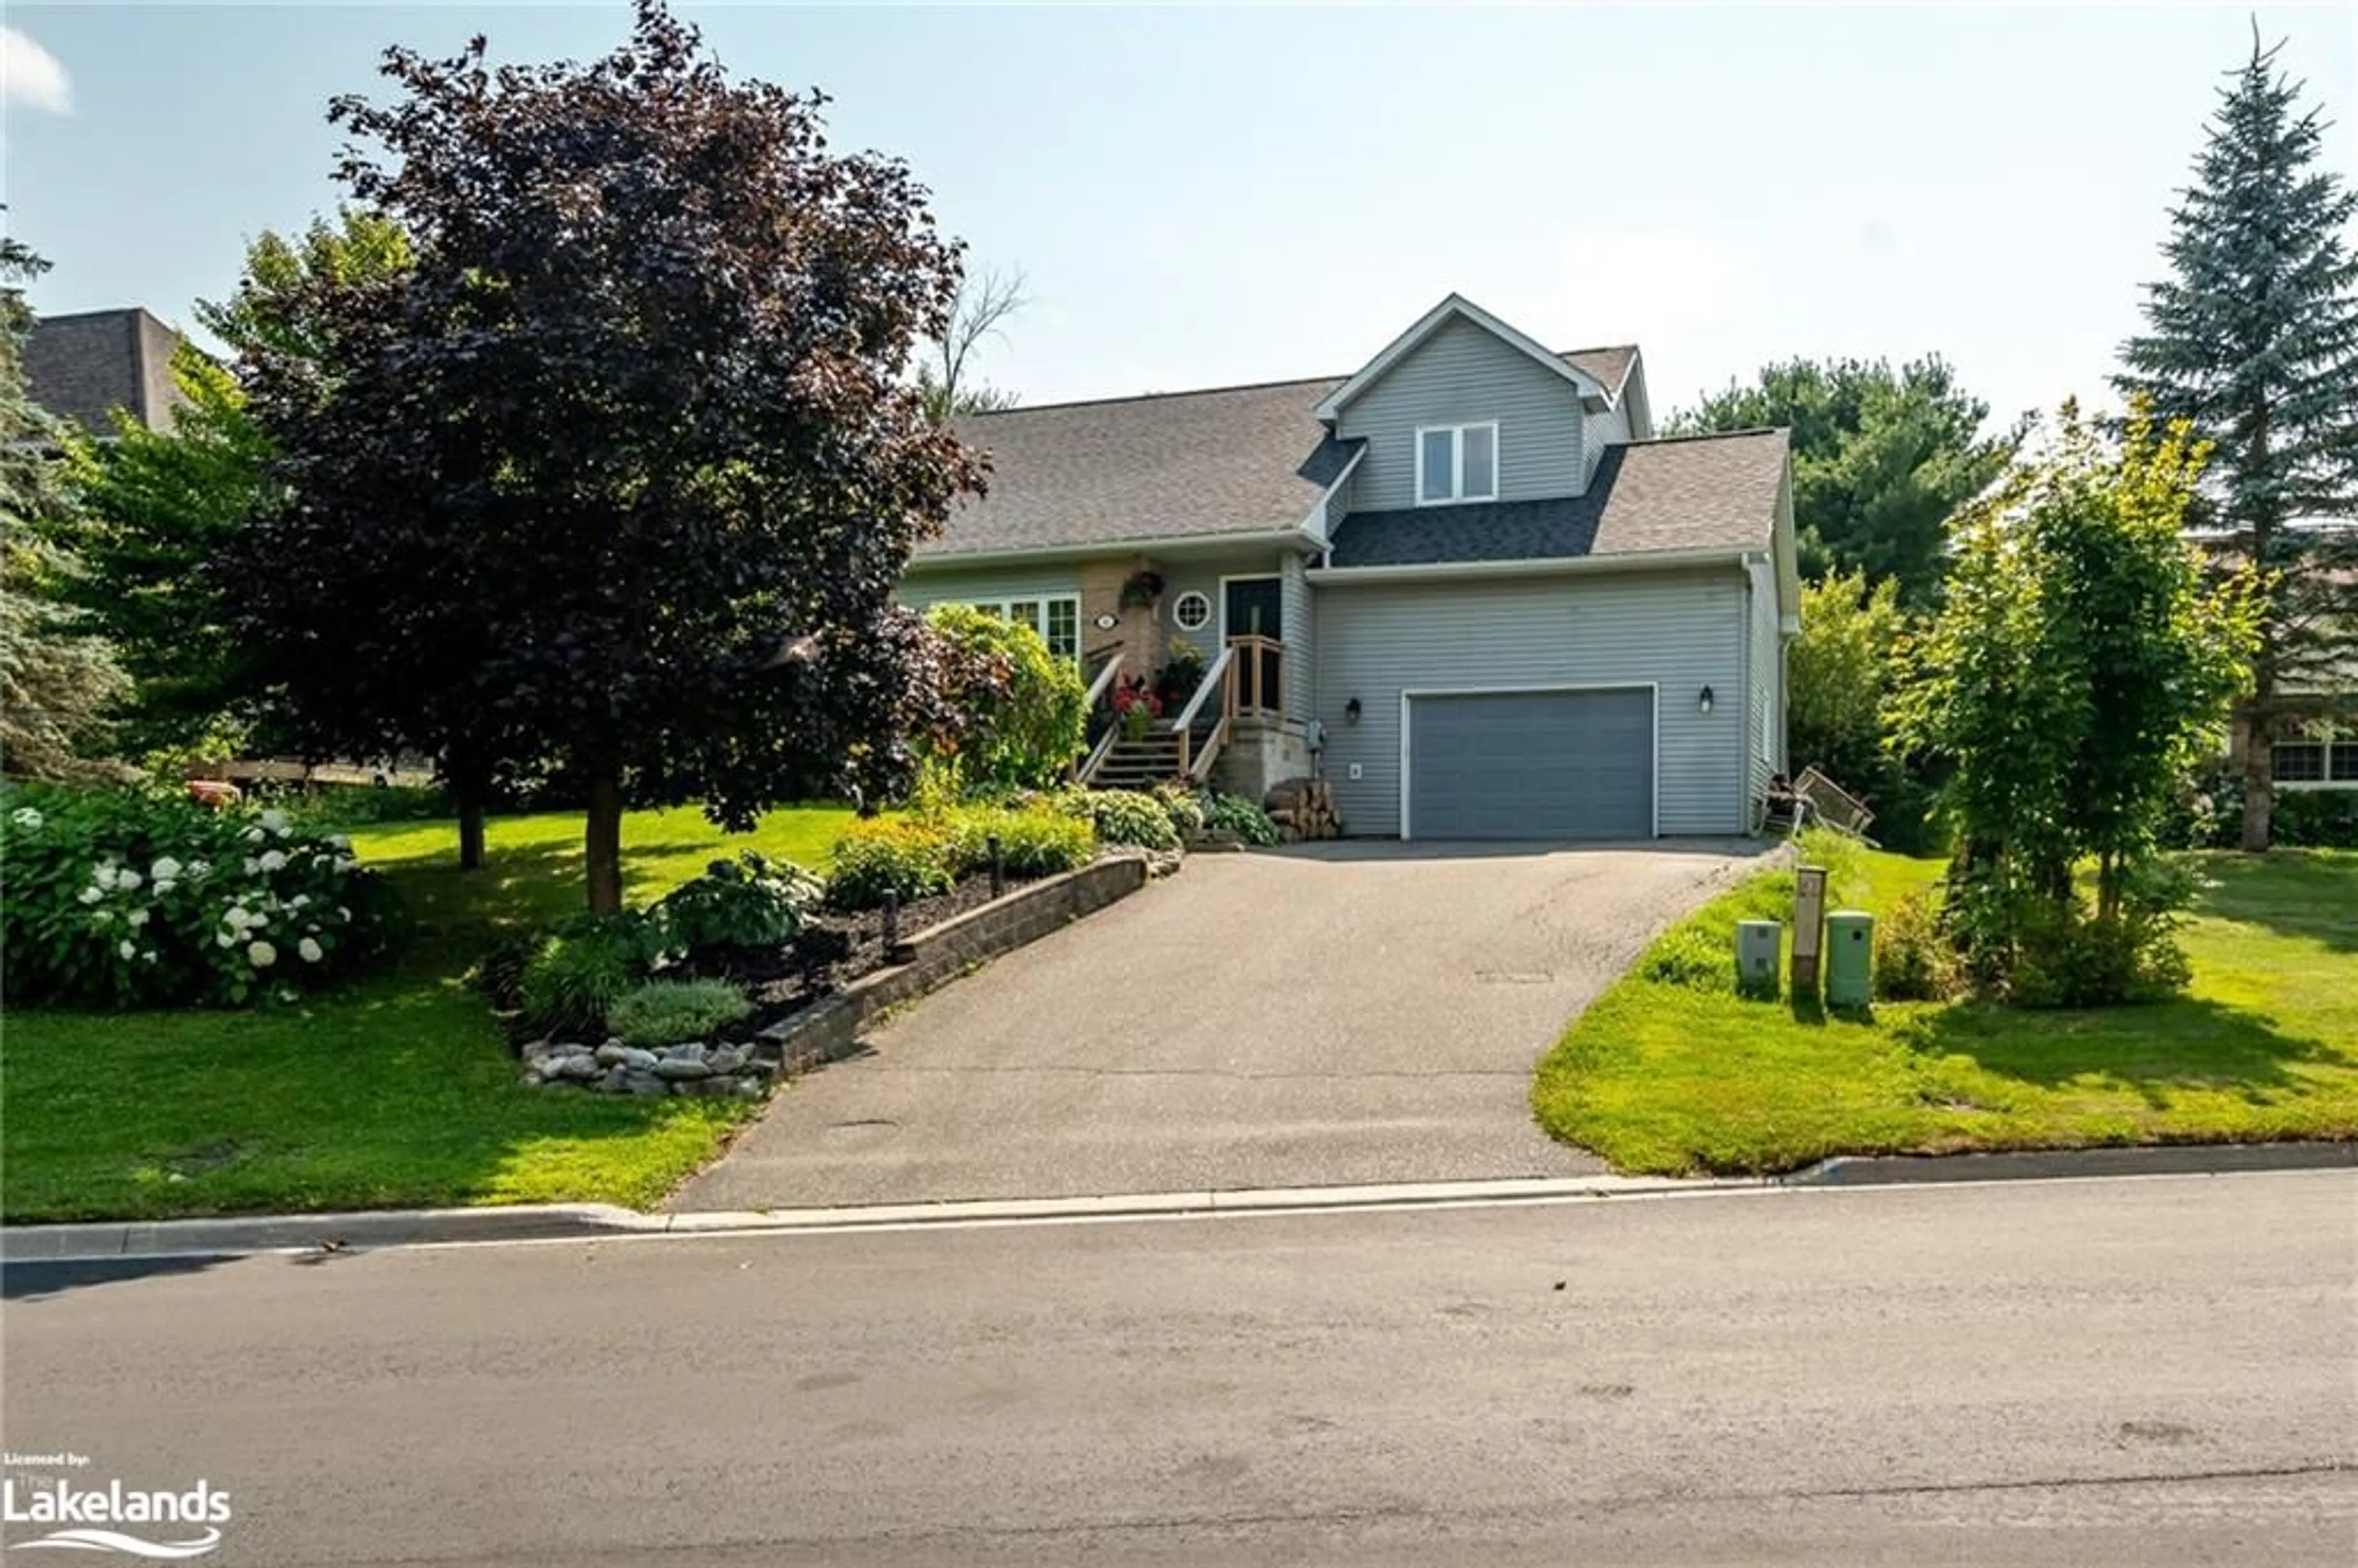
<point>1330,1014</point>
<point>2123,1372</point>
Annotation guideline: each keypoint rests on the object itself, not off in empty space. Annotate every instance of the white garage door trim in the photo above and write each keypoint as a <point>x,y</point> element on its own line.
<point>1654,726</point>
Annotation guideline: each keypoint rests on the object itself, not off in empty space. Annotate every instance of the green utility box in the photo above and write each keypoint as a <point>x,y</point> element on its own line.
<point>1850,958</point>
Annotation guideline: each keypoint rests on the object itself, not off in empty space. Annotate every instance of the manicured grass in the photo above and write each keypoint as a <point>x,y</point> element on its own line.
<point>1678,1079</point>
<point>395,1091</point>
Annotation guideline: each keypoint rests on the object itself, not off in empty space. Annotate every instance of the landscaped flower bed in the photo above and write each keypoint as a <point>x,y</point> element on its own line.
<point>833,949</point>
<point>588,1006</point>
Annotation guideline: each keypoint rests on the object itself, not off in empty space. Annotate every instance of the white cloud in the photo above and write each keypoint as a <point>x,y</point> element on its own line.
<point>30,76</point>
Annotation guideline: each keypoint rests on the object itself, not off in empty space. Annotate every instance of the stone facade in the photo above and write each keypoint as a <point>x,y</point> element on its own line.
<point>1262,752</point>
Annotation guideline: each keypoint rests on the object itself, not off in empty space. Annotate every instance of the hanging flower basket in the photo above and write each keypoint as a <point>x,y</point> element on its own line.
<point>1140,589</point>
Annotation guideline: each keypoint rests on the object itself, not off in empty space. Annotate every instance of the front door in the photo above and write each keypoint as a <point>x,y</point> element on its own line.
<point>1255,607</point>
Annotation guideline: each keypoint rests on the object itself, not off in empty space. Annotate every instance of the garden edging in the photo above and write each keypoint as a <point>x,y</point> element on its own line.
<point>830,1030</point>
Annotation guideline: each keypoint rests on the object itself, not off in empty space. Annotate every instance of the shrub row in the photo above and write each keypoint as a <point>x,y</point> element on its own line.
<point>126,898</point>
<point>919,857</point>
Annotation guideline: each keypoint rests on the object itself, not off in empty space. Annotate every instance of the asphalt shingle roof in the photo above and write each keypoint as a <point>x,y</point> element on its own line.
<point>1232,459</point>
<point>1688,492</point>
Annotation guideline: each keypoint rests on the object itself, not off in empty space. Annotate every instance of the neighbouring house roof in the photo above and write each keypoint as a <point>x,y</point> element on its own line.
<point>83,367</point>
<point>1684,493</point>
<point>1174,465</point>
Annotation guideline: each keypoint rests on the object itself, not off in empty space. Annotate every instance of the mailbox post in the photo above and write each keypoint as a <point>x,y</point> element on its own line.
<point>1809,928</point>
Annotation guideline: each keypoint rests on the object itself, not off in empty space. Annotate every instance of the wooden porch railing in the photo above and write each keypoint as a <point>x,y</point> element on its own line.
<point>1193,763</point>
<point>1256,675</point>
<point>1248,678</point>
<point>1087,767</point>
<point>1104,681</point>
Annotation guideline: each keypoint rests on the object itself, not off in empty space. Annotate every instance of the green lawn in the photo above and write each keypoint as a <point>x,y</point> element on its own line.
<point>396,1090</point>
<point>1670,1079</point>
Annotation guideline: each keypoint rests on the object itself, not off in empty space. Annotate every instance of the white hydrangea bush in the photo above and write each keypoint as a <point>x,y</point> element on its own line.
<point>120,898</point>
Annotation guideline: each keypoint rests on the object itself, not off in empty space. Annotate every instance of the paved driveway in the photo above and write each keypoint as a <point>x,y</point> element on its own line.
<point>1332,1014</point>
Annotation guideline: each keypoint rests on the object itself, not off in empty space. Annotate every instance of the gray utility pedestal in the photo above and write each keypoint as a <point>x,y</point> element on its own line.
<point>1759,947</point>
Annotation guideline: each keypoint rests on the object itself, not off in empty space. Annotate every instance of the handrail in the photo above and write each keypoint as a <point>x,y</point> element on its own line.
<point>1202,767</point>
<point>1103,679</point>
<point>1211,679</point>
<point>1265,657</point>
<point>1096,759</point>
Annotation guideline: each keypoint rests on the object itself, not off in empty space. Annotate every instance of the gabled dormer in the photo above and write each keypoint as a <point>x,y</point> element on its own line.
<point>1462,408</point>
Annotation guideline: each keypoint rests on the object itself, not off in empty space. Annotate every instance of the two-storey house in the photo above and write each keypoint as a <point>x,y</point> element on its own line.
<point>1468,584</point>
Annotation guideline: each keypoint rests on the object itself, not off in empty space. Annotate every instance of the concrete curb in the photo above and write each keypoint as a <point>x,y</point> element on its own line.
<point>233,1237</point>
<point>236,1236</point>
<point>2051,1164</point>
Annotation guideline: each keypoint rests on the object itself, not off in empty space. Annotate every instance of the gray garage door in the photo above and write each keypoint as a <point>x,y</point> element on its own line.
<point>1539,764</point>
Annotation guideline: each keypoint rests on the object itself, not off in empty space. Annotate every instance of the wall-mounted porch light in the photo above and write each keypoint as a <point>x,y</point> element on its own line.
<point>1703,702</point>
<point>1351,711</point>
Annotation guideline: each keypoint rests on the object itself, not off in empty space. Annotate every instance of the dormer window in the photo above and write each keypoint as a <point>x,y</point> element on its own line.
<point>1457,462</point>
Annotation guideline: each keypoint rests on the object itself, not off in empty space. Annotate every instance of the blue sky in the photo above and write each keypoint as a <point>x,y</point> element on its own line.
<point>1210,196</point>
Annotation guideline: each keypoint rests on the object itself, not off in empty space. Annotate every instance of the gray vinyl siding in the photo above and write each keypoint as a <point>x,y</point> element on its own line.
<point>921,591</point>
<point>1680,632</point>
<point>1203,575</point>
<point>1301,640</point>
<point>1607,427</point>
<point>1765,708</point>
<point>1460,375</point>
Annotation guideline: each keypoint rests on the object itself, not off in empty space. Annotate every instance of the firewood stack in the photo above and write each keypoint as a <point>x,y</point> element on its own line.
<point>1302,808</point>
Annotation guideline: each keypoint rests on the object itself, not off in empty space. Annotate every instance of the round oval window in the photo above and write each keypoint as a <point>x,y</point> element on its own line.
<point>1192,611</point>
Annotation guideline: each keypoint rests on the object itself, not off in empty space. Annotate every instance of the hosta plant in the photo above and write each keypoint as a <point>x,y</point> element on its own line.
<point>750,902</point>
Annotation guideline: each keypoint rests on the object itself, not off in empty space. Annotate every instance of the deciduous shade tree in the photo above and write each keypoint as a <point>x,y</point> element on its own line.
<point>981,310</point>
<point>2079,667</point>
<point>625,465</point>
<point>2253,339</point>
<point>1839,677</point>
<point>155,507</point>
<point>158,507</point>
<point>1881,458</point>
<point>57,679</point>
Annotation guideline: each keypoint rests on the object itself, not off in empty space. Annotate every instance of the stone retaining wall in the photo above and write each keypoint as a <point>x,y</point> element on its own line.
<point>830,1030</point>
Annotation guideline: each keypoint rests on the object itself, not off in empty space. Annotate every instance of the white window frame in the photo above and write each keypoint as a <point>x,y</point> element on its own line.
<point>2343,778</point>
<point>1002,606</point>
<point>1457,495</point>
<point>1178,618</point>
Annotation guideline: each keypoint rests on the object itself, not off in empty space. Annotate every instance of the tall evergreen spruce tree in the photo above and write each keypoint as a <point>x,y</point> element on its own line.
<point>57,680</point>
<point>2255,341</point>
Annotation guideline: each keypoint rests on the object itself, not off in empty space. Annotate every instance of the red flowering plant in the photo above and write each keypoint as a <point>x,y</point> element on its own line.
<point>1135,704</point>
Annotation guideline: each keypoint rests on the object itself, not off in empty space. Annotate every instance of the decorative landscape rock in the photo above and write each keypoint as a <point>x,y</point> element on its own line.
<point>690,1067</point>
